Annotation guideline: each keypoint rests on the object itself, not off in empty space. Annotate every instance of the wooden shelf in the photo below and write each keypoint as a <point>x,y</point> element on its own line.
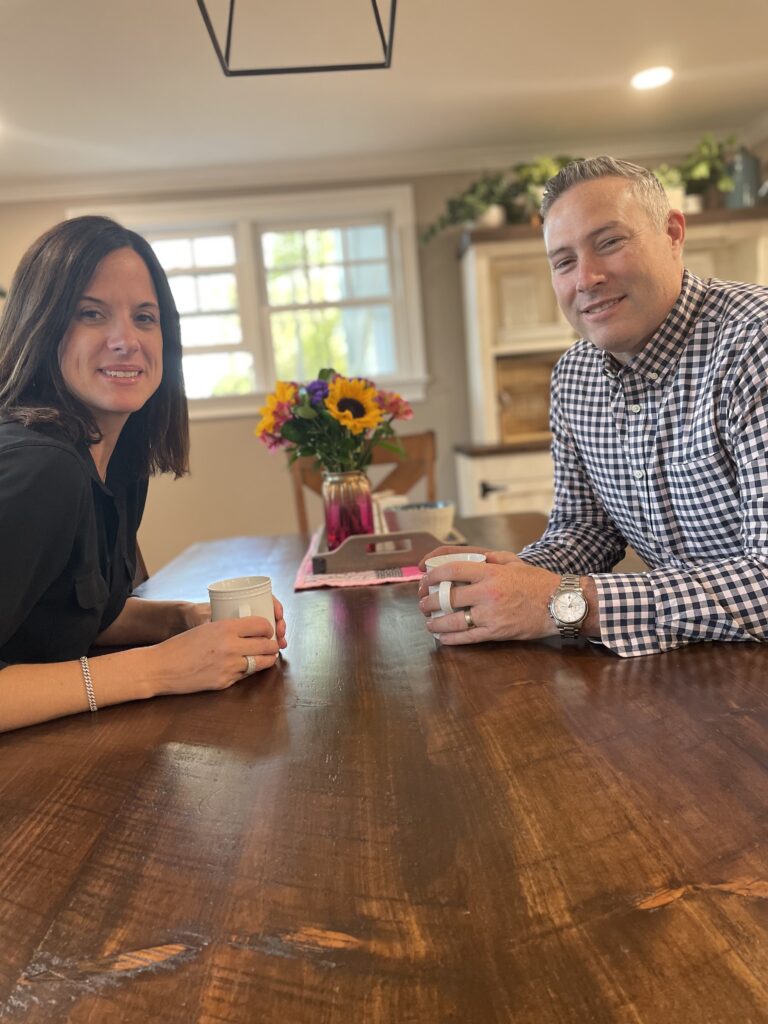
<point>523,443</point>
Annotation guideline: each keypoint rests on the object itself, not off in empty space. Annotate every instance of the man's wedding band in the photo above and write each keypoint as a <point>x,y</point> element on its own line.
<point>250,664</point>
<point>468,618</point>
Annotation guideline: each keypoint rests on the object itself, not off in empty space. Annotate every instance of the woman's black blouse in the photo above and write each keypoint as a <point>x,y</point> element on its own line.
<point>67,545</point>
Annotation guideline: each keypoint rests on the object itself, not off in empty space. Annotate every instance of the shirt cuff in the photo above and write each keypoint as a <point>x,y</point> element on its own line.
<point>627,614</point>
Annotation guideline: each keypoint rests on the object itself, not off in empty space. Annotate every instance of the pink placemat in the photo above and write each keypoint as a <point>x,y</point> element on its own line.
<point>307,580</point>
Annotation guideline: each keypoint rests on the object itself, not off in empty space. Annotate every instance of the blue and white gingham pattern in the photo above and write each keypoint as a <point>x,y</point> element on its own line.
<point>668,453</point>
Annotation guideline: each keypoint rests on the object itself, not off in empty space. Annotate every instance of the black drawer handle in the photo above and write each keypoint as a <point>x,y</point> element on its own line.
<point>486,488</point>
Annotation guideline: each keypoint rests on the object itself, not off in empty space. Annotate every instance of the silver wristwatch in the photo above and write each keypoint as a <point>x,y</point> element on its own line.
<point>568,606</point>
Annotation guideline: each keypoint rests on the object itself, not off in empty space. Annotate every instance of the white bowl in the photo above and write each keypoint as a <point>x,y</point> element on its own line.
<point>435,517</point>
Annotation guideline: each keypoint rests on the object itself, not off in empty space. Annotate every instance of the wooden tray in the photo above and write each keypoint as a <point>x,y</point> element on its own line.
<point>374,551</point>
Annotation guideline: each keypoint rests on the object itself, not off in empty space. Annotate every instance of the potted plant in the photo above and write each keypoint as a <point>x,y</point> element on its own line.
<point>490,192</point>
<point>530,179</point>
<point>671,177</point>
<point>706,169</point>
<point>516,192</point>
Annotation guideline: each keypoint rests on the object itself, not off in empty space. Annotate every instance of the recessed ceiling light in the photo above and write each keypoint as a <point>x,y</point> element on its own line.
<point>652,78</point>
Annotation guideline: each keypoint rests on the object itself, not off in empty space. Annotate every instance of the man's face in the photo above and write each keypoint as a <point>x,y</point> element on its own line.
<point>615,274</point>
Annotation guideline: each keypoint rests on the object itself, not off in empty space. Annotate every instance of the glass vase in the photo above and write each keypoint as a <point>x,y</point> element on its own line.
<point>348,506</point>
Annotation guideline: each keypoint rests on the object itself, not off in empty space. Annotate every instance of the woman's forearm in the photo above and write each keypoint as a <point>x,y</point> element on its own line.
<point>38,693</point>
<point>151,622</point>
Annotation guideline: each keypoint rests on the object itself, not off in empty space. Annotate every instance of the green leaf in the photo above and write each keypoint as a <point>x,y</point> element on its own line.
<point>292,432</point>
<point>305,412</point>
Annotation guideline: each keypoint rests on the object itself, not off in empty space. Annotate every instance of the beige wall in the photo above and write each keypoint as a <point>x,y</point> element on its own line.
<point>237,487</point>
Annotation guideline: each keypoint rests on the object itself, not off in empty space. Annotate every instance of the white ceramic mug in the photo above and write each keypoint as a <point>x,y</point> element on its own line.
<point>245,595</point>
<point>443,589</point>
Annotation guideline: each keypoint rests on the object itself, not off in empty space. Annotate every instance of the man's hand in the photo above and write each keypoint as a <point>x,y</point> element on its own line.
<point>507,599</point>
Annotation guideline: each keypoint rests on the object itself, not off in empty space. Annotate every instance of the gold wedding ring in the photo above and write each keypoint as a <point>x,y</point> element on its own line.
<point>468,618</point>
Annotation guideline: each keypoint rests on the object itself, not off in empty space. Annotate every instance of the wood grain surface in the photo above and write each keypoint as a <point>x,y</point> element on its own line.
<point>379,830</point>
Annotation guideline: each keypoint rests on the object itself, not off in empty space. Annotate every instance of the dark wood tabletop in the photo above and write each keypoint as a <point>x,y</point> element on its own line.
<point>381,831</point>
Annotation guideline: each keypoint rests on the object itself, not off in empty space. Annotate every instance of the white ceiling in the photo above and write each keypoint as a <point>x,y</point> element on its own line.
<point>119,92</point>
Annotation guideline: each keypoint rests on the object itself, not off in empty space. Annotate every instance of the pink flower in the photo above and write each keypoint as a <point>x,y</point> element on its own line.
<point>281,413</point>
<point>394,405</point>
<point>274,442</point>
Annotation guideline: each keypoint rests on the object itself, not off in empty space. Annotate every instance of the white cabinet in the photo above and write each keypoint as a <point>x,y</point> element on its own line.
<point>503,481</point>
<point>515,333</point>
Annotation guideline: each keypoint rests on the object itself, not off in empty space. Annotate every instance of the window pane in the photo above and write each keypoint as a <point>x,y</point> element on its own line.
<point>217,291</point>
<point>305,341</point>
<point>370,340</point>
<point>214,251</point>
<point>356,341</point>
<point>366,243</point>
<point>219,374</point>
<point>368,280</point>
<point>326,284</point>
<point>324,246</point>
<point>211,330</point>
<point>288,288</point>
<point>173,253</point>
<point>283,248</point>
<point>184,292</point>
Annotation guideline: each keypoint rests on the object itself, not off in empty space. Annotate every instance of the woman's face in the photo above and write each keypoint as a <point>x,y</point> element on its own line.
<point>111,356</point>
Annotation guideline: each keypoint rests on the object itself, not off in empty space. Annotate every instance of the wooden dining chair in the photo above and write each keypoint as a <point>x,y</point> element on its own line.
<point>417,463</point>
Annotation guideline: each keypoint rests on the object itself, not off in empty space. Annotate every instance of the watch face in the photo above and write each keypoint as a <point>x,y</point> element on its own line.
<point>569,606</point>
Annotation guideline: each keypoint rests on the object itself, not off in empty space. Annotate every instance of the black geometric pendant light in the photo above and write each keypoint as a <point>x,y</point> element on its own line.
<point>223,48</point>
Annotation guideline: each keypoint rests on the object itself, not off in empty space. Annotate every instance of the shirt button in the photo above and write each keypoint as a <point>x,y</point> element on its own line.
<point>635,408</point>
<point>653,375</point>
<point>639,474</point>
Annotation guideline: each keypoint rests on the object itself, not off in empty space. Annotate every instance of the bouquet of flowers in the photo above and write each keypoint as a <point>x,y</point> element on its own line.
<point>338,420</point>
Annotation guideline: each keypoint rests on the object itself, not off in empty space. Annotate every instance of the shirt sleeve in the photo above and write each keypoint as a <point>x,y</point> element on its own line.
<point>666,608</point>
<point>42,494</point>
<point>580,536</point>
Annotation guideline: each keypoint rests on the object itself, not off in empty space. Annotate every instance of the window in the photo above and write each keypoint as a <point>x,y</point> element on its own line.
<point>275,287</point>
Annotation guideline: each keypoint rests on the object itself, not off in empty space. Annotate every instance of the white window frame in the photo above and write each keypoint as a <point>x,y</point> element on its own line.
<point>247,217</point>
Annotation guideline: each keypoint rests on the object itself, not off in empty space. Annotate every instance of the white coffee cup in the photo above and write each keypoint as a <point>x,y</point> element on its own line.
<point>245,595</point>
<point>443,589</point>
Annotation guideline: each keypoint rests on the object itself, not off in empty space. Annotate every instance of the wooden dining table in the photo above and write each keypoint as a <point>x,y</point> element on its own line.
<point>380,830</point>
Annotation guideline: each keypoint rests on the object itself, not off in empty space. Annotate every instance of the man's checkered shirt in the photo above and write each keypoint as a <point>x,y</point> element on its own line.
<point>668,453</point>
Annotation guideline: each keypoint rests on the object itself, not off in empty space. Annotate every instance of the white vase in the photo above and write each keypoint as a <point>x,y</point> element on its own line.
<point>676,196</point>
<point>493,217</point>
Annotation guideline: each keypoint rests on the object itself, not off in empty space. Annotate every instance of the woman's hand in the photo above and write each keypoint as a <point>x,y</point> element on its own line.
<point>211,656</point>
<point>191,615</point>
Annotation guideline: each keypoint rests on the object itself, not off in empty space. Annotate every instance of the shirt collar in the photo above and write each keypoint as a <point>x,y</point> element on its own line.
<point>662,352</point>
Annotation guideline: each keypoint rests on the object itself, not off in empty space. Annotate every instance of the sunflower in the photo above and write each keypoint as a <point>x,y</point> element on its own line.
<point>278,408</point>
<point>353,404</point>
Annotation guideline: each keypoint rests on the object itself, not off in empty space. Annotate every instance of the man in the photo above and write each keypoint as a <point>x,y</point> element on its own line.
<point>659,418</point>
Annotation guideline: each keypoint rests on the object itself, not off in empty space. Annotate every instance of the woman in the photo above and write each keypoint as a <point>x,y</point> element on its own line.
<point>91,403</point>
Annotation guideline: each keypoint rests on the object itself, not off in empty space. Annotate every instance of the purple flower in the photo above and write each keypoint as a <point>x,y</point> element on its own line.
<point>317,391</point>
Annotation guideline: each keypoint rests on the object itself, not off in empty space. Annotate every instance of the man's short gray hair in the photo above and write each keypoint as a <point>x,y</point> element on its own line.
<point>646,186</point>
